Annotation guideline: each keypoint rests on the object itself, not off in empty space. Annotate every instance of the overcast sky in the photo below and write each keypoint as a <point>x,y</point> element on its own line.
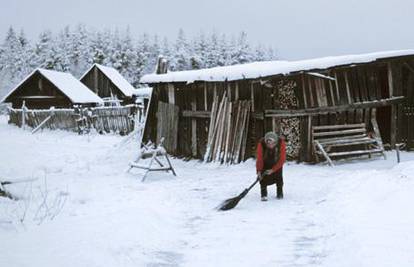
<point>297,29</point>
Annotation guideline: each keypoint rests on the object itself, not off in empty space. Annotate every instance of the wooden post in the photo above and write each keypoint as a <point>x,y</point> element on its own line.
<point>393,122</point>
<point>309,145</point>
<point>193,125</point>
<point>377,132</point>
<point>337,88</point>
<point>171,94</point>
<point>348,90</point>
<point>205,96</point>
<point>393,126</point>
<point>24,115</point>
<point>390,80</point>
<point>236,92</point>
<point>305,101</point>
<point>252,96</point>
<point>95,80</point>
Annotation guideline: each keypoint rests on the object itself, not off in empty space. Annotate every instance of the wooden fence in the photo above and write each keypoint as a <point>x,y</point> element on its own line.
<point>119,120</point>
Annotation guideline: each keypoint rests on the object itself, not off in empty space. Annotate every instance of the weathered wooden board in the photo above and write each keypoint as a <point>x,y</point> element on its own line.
<point>167,126</point>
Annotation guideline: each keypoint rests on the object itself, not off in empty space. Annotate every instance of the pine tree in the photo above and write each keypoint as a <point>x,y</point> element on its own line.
<point>180,53</point>
<point>241,52</point>
<point>199,52</point>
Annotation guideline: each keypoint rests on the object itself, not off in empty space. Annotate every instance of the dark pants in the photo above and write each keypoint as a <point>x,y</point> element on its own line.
<point>274,178</point>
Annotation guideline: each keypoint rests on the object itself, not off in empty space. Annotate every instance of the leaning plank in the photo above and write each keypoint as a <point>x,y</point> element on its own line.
<point>43,123</point>
<point>323,152</point>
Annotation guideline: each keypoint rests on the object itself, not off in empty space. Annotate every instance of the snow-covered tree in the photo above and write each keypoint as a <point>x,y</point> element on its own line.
<point>75,49</point>
<point>180,54</point>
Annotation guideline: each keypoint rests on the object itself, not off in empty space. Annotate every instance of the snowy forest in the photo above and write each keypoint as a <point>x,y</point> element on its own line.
<point>75,49</point>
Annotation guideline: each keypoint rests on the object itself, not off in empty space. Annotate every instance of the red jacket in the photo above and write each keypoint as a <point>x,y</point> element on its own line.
<point>278,164</point>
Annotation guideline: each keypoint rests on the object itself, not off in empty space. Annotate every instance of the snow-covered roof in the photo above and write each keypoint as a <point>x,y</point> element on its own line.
<point>116,78</point>
<point>268,68</point>
<point>76,91</point>
<point>143,92</point>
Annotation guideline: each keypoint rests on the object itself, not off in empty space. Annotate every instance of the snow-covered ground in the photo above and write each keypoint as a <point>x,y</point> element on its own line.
<point>84,209</point>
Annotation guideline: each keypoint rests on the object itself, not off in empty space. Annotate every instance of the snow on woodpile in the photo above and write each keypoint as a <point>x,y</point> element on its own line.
<point>117,79</point>
<point>268,68</point>
<point>76,91</point>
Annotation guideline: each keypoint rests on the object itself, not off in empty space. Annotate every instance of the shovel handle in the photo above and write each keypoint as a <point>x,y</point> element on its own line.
<point>255,182</point>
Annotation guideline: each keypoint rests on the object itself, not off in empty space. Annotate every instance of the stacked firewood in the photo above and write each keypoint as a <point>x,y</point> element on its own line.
<point>228,129</point>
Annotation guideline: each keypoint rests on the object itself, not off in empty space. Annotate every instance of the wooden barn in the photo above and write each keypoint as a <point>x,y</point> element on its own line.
<point>109,84</point>
<point>221,113</point>
<point>43,89</point>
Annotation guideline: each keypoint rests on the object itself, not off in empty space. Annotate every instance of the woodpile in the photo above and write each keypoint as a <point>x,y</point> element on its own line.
<point>228,130</point>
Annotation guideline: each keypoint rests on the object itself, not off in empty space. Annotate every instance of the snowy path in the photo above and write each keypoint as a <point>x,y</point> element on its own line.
<point>352,215</point>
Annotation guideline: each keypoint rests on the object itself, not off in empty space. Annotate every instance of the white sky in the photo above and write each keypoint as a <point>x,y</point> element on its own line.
<point>296,28</point>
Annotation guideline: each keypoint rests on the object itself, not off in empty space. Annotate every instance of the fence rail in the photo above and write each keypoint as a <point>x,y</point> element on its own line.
<point>119,120</point>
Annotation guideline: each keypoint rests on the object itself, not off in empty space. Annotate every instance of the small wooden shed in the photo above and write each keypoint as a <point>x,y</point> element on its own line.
<point>43,89</point>
<point>109,84</point>
<point>288,97</point>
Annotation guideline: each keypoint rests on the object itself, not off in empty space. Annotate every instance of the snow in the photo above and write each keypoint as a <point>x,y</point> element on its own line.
<point>76,91</point>
<point>144,92</point>
<point>355,214</point>
<point>268,68</point>
<point>116,78</point>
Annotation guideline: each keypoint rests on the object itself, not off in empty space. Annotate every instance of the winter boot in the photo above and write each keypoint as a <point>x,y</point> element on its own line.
<point>279,194</point>
<point>264,198</point>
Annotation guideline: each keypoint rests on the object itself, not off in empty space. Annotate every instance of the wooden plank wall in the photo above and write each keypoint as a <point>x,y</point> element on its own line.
<point>404,80</point>
<point>350,84</point>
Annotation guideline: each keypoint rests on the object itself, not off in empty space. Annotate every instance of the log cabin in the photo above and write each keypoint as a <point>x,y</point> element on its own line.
<point>289,97</point>
<point>43,89</point>
<point>109,84</point>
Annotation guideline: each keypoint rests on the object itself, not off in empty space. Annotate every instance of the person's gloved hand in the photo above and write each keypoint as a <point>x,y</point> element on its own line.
<point>268,172</point>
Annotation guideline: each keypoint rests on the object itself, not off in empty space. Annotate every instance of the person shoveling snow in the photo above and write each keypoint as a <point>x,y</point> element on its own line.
<point>271,155</point>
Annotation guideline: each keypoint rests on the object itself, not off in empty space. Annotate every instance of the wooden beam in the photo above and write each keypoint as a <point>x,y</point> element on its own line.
<point>257,115</point>
<point>393,126</point>
<point>236,93</point>
<point>337,88</point>
<point>196,114</point>
<point>393,122</point>
<point>305,101</point>
<point>205,95</point>
<point>252,95</point>
<point>171,94</point>
<point>319,75</point>
<point>348,90</point>
<point>310,139</point>
<point>377,132</point>
<point>193,125</point>
<point>390,79</point>
<point>334,109</point>
<point>324,153</point>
